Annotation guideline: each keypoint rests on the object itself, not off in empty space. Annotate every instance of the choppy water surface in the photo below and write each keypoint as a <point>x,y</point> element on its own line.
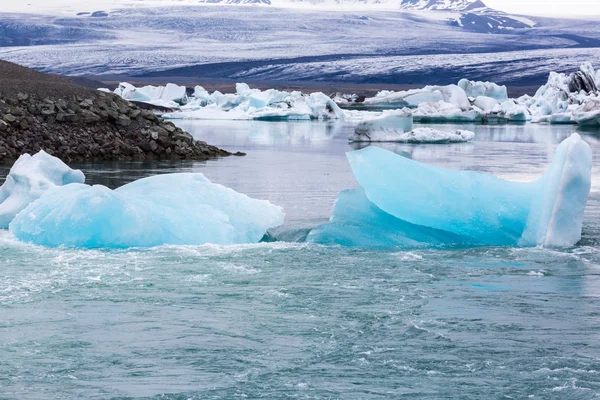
<point>289,320</point>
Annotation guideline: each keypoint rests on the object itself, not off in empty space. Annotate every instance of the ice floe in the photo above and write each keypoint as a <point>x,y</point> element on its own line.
<point>29,178</point>
<point>397,126</point>
<point>406,203</point>
<point>177,209</point>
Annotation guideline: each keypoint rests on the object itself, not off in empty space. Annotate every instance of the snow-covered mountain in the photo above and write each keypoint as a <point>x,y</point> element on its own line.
<point>472,15</point>
<point>337,40</point>
<point>421,5</point>
<point>443,5</point>
<point>66,7</point>
<point>414,5</point>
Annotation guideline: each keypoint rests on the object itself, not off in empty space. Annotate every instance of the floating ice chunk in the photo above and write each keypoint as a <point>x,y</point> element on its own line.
<point>509,110</point>
<point>201,96</point>
<point>551,98</point>
<point>487,89</point>
<point>589,113</point>
<point>455,95</point>
<point>556,119</point>
<point>28,179</point>
<point>388,122</point>
<point>418,135</point>
<point>413,98</point>
<point>485,103</point>
<point>178,209</point>
<point>442,111</point>
<point>170,95</point>
<point>563,95</point>
<point>345,98</point>
<point>407,201</point>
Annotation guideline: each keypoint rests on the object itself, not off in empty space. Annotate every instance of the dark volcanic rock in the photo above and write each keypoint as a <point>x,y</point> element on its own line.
<point>74,123</point>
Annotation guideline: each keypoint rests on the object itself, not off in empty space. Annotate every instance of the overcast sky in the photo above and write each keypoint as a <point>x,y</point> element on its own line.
<point>548,7</point>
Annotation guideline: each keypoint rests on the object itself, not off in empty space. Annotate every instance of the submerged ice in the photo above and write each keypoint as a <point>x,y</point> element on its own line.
<point>403,202</point>
<point>176,209</point>
<point>29,178</point>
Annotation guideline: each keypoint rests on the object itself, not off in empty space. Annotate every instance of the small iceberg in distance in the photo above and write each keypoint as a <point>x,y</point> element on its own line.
<point>174,209</point>
<point>416,136</point>
<point>406,203</point>
<point>397,126</point>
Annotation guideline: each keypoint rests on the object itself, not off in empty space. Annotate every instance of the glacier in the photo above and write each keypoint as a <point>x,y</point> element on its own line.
<point>170,209</point>
<point>29,178</point>
<point>406,203</point>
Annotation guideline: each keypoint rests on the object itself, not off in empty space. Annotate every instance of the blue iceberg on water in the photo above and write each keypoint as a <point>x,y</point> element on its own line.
<point>400,202</point>
<point>29,178</point>
<point>407,203</point>
<point>177,209</point>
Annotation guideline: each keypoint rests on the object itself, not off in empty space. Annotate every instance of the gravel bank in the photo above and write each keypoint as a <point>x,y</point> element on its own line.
<point>75,123</point>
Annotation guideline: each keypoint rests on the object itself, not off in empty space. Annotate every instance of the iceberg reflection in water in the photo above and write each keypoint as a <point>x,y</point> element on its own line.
<point>406,203</point>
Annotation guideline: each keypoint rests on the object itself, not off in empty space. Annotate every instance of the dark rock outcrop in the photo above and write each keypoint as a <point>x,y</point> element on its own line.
<point>74,123</point>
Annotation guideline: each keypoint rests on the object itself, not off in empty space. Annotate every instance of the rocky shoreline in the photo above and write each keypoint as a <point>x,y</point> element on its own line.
<point>74,123</point>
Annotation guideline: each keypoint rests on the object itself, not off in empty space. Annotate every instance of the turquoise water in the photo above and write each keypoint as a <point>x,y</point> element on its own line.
<point>290,320</point>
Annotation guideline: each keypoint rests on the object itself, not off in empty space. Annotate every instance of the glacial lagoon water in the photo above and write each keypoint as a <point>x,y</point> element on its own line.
<point>297,321</point>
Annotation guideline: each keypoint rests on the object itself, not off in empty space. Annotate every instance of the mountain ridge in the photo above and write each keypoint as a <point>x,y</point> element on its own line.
<point>406,5</point>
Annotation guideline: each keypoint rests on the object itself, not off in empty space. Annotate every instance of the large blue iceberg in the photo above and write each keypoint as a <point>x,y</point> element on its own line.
<point>176,209</point>
<point>406,203</point>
